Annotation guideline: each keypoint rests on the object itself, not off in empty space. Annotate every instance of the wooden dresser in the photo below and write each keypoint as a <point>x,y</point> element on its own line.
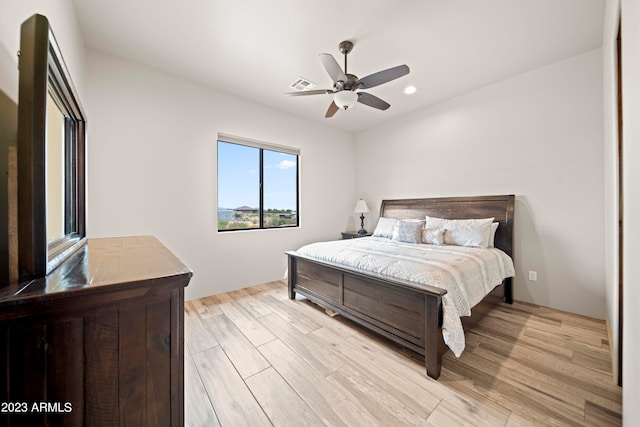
<point>99,341</point>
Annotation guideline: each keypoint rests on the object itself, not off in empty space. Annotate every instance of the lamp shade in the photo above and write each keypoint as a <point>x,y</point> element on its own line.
<point>361,206</point>
<point>345,98</point>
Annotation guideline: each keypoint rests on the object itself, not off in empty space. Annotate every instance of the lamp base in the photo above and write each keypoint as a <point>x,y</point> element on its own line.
<point>362,230</point>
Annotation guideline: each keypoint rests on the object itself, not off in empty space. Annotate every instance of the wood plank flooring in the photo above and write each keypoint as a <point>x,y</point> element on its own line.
<point>255,358</point>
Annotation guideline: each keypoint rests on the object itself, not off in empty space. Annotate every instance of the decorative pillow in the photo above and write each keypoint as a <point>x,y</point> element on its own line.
<point>433,236</point>
<point>492,234</point>
<point>468,232</point>
<point>385,227</point>
<point>408,231</point>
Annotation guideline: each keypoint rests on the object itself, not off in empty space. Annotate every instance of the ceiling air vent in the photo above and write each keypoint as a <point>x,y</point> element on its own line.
<point>302,84</point>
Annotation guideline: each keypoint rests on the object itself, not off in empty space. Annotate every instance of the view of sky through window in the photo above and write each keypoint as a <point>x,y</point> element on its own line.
<point>279,180</point>
<point>239,178</point>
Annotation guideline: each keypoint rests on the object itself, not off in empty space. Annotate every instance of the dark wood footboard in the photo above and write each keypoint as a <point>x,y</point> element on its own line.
<point>398,310</point>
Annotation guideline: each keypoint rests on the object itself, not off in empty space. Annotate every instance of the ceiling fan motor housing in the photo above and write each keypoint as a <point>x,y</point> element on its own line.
<point>350,84</point>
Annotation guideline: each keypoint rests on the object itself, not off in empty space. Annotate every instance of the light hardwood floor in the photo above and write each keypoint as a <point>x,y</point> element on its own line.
<point>255,358</point>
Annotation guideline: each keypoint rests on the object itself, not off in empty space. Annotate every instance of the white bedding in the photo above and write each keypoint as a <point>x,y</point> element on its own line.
<point>468,274</point>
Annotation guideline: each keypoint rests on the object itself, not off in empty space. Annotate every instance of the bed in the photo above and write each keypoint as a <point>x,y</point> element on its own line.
<point>405,308</point>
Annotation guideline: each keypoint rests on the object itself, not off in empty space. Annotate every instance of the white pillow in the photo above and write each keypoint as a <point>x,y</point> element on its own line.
<point>468,232</point>
<point>492,234</point>
<point>408,231</point>
<point>385,227</point>
<point>432,222</point>
<point>433,236</point>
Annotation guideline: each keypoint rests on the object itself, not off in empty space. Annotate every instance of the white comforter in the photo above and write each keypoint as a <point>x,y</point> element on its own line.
<point>468,274</point>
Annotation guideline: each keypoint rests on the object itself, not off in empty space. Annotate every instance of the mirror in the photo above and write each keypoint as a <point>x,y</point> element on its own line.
<point>55,177</point>
<point>51,148</point>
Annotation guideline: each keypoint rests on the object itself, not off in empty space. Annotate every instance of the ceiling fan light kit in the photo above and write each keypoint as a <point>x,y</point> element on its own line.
<point>346,87</point>
<point>345,98</point>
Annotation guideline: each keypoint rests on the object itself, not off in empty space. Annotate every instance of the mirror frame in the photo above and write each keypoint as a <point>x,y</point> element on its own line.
<point>41,68</point>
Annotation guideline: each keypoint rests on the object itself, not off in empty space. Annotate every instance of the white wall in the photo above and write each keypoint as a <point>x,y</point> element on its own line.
<point>611,188</point>
<point>62,19</point>
<point>539,136</point>
<point>631,193</point>
<point>152,170</point>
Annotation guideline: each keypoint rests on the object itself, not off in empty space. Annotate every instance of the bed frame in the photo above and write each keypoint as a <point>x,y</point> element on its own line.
<point>398,309</point>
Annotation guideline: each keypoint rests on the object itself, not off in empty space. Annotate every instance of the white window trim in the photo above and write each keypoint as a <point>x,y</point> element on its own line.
<point>225,137</point>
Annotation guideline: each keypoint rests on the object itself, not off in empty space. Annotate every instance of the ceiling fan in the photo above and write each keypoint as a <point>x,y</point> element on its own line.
<point>345,85</point>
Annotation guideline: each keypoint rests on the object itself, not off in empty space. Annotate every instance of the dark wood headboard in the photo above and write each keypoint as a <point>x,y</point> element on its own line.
<point>498,207</point>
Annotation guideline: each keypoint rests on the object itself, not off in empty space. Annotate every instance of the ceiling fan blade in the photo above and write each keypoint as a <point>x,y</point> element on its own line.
<point>384,76</point>
<point>333,68</point>
<point>332,110</point>
<point>372,101</point>
<point>310,92</point>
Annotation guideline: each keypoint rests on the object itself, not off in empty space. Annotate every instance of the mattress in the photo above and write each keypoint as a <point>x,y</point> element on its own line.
<point>468,274</point>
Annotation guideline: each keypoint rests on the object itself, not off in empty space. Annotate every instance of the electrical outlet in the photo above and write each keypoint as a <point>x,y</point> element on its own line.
<point>533,276</point>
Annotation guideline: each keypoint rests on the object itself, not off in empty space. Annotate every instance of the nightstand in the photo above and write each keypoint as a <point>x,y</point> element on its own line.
<point>353,235</point>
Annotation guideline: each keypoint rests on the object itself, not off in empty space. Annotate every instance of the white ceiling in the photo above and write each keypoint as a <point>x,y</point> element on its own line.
<point>255,48</point>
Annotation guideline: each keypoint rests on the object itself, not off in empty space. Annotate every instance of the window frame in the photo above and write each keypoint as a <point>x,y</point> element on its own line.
<point>261,146</point>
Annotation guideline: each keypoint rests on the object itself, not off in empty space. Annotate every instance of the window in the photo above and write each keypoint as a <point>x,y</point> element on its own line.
<point>257,184</point>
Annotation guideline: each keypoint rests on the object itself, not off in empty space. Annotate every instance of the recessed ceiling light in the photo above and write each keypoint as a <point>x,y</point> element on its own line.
<point>410,90</point>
